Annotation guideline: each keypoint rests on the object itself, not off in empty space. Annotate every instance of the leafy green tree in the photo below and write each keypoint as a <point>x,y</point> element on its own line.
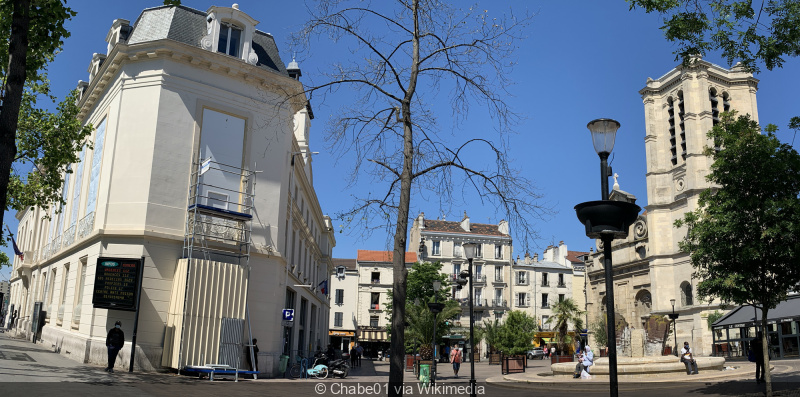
<point>420,285</point>
<point>419,331</point>
<point>713,317</point>
<point>599,329</point>
<point>565,314</point>
<point>744,237</point>
<point>743,30</point>
<point>31,34</point>
<point>515,336</point>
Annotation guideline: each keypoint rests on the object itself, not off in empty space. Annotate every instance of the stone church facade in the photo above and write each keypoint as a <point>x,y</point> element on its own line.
<point>649,270</point>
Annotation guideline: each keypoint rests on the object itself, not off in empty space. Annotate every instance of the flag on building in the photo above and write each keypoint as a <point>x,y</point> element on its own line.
<point>323,286</point>
<point>16,249</point>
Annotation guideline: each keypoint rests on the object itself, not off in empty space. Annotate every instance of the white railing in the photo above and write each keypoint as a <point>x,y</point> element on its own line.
<point>45,252</point>
<point>69,236</point>
<point>55,245</point>
<point>86,225</point>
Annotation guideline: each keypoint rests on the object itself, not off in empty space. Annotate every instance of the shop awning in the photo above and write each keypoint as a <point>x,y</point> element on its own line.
<point>372,335</point>
<point>748,316</point>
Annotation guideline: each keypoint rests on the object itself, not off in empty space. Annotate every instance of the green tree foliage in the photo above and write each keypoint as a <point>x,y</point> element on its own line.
<point>565,314</point>
<point>418,316</point>
<point>516,334</point>
<point>491,333</point>
<point>47,144</point>
<point>419,331</point>
<point>600,330</point>
<point>420,285</point>
<point>31,34</point>
<point>744,237</point>
<point>748,31</point>
<point>713,317</point>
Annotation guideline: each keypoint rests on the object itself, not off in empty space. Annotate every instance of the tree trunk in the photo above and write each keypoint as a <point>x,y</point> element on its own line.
<point>765,348</point>
<point>396,370</point>
<point>12,98</point>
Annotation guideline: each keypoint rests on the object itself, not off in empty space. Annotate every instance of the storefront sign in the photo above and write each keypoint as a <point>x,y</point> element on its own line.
<point>341,333</point>
<point>115,283</point>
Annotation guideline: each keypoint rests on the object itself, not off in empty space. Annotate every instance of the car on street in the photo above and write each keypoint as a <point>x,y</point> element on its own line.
<point>536,352</point>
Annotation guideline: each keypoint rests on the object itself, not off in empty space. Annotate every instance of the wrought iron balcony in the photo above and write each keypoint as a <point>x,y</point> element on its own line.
<point>499,303</point>
<point>522,281</point>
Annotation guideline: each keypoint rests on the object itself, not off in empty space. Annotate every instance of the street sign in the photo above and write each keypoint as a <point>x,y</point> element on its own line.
<point>288,314</point>
<point>289,324</point>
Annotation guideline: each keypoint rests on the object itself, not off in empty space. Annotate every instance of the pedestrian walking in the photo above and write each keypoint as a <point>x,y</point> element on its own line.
<point>114,342</point>
<point>359,353</point>
<point>455,359</point>
<point>758,352</point>
<point>353,356</point>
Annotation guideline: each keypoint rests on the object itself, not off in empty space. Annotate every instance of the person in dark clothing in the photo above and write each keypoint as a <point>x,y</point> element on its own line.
<point>13,318</point>
<point>758,351</point>
<point>253,367</point>
<point>353,356</point>
<point>330,353</point>
<point>114,342</point>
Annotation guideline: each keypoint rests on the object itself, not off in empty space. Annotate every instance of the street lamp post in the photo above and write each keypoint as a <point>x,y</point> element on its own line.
<point>607,220</point>
<point>470,252</point>
<point>674,316</point>
<point>436,308</point>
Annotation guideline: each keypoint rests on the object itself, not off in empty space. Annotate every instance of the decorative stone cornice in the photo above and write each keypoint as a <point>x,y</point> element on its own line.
<point>195,57</point>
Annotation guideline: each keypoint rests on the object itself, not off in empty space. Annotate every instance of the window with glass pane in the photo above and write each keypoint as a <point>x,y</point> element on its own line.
<point>478,251</point>
<point>373,321</point>
<point>230,37</point>
<point>498,251</point>
<point>437,248</point>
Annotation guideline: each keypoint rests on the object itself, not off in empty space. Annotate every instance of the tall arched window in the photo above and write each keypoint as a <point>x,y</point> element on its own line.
<point>686,294</point>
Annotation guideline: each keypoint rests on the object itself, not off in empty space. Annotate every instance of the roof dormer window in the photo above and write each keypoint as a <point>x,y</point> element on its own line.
<point>230,39</point>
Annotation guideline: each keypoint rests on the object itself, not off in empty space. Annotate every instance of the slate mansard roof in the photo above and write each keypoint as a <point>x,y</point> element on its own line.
<point>455,227</point>
<point>187,25</point>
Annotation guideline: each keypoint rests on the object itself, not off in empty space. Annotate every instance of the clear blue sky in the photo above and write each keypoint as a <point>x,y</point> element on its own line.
<point>581,60</point>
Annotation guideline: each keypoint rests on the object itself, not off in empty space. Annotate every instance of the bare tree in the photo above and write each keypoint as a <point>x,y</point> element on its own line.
<point>402,56</point>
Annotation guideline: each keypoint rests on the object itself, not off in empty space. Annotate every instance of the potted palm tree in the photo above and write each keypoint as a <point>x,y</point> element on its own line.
<point>565,314</point>
<point>420,326</point>
<point>491,333</point>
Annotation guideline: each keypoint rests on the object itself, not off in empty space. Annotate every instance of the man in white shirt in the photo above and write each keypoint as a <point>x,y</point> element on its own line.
<point>688,359</point>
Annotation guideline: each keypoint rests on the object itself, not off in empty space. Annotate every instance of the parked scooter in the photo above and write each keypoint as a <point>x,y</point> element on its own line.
<point>338,368</point>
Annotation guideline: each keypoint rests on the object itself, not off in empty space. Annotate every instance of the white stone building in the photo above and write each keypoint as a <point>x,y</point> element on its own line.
<point>344,303</point>
<point>492,272</point>
<point>362,286</point>
<point>538,284</point>
<point>649,269</point>
<point>175,91</point>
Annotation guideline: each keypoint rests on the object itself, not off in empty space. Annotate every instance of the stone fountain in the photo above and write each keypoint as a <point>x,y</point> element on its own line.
<point>637,365</point>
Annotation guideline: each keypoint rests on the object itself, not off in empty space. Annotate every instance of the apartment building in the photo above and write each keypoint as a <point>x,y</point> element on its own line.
<point>200,167</point>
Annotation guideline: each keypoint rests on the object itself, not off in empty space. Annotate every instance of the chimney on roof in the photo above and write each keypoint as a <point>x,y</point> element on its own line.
<point>502,227</point>
<point>465,222</point>
<point>421,220</point>
<point>536,257</point>
<point>527,258</point>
